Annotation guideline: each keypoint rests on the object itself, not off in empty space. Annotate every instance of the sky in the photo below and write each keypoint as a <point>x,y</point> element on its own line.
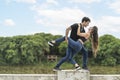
<point>24,17</point>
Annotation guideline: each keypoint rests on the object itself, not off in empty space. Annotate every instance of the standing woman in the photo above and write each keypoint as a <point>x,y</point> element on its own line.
<point>78,45</point>
<point>93,34</point>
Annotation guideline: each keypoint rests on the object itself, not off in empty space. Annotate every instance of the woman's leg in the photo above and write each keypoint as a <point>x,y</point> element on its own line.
<point>73,52</point>
<point>76,45</point>
<point>68,52</point>
<point>59,40</point>
<point>71,56</point>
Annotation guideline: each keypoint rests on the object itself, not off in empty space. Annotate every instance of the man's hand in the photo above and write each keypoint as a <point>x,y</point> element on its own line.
<point>66,34</point>
<point>66,39</point>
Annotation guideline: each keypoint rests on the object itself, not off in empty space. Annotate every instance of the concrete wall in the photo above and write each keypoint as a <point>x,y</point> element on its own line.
<point>61,75</point>
<point>28,77</point>
<point>73,75</point>
<point>105,77</point>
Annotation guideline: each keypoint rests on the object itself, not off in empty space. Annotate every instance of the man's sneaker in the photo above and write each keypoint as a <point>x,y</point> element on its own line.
<point>56,69</point>
<point>85,68</point>
<point>78,68</point>
<point>50,43</point>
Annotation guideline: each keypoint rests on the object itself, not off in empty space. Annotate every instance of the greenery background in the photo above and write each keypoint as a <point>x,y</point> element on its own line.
<point>28,54</point>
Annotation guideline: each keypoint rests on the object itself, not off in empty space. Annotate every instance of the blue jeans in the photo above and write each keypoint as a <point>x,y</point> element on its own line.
<point>73,48</point>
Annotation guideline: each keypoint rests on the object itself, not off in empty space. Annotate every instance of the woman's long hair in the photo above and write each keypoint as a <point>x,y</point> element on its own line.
<point>95,42</point>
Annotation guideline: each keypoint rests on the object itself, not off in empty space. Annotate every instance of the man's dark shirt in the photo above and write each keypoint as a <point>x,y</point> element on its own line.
<point>73,34</point>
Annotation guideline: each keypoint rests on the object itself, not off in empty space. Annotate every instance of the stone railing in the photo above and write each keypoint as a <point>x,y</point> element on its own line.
<point>73,75</point>
<point>60,75</point>
<point>105,77</point>
<point>28,77</point>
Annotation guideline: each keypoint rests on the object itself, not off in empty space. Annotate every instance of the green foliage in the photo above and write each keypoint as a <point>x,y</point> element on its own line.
<point>31,49</point>
<point>110,61</point>
<point>108,51</point>
<point>62,48</point>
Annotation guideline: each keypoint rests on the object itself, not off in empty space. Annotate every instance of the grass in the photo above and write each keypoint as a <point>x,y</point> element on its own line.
<point>46,68</point>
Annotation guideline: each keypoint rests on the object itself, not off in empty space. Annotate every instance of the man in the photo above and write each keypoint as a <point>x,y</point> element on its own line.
<point>73,35</point>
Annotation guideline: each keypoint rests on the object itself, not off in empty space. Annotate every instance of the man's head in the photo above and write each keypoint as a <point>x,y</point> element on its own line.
<point>85,21</point>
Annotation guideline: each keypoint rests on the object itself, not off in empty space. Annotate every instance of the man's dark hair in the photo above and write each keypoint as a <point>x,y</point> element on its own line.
<point>85,19</point>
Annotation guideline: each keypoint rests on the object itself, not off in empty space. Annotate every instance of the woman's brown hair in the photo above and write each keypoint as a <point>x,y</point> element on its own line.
<point>95,42</point>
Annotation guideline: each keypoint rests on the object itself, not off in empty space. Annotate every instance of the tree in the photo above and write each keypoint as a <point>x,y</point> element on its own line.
<point>108,50</point>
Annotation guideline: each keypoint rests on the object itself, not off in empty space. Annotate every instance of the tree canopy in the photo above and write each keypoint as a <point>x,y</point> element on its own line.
<point>31,49</point>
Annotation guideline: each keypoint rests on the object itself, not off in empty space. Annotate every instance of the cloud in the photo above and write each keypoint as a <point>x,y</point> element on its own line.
<point>52,2</point>
<point>84,1</point>
<point>23,1</point>
<point>27,1</point>
<point>58,17</point>
<point>57,32</point>
<point>7,1</point>
<point>115,5</point>
<point>108,25</point>
<point>9,22</point>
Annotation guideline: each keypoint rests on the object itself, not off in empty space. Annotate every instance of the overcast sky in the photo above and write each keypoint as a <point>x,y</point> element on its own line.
<point>23,17</point>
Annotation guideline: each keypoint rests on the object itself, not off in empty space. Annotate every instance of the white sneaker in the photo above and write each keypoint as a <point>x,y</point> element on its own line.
<point>50,43</point>
<point>78,68</point>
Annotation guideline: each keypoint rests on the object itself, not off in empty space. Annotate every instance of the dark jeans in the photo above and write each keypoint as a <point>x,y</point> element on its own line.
<point>73,48</point>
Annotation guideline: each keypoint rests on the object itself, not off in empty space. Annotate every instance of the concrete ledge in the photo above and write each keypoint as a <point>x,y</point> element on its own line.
<point>105,77</point>
<point>28,77</point>
<point>73,75</point>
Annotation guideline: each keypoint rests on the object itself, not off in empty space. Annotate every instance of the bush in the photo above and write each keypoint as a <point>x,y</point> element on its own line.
<point>110,61</point>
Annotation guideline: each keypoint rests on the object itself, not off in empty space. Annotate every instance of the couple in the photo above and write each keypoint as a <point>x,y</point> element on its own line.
<point>76,43</point>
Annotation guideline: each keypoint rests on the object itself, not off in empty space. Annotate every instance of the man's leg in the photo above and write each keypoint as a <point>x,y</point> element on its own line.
<point>85,57</point>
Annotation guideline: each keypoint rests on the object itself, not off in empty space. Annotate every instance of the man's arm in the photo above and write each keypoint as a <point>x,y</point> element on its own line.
<point>67,32</point>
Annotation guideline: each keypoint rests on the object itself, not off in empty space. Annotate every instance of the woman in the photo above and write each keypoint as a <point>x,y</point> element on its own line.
<point>77,45</point>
